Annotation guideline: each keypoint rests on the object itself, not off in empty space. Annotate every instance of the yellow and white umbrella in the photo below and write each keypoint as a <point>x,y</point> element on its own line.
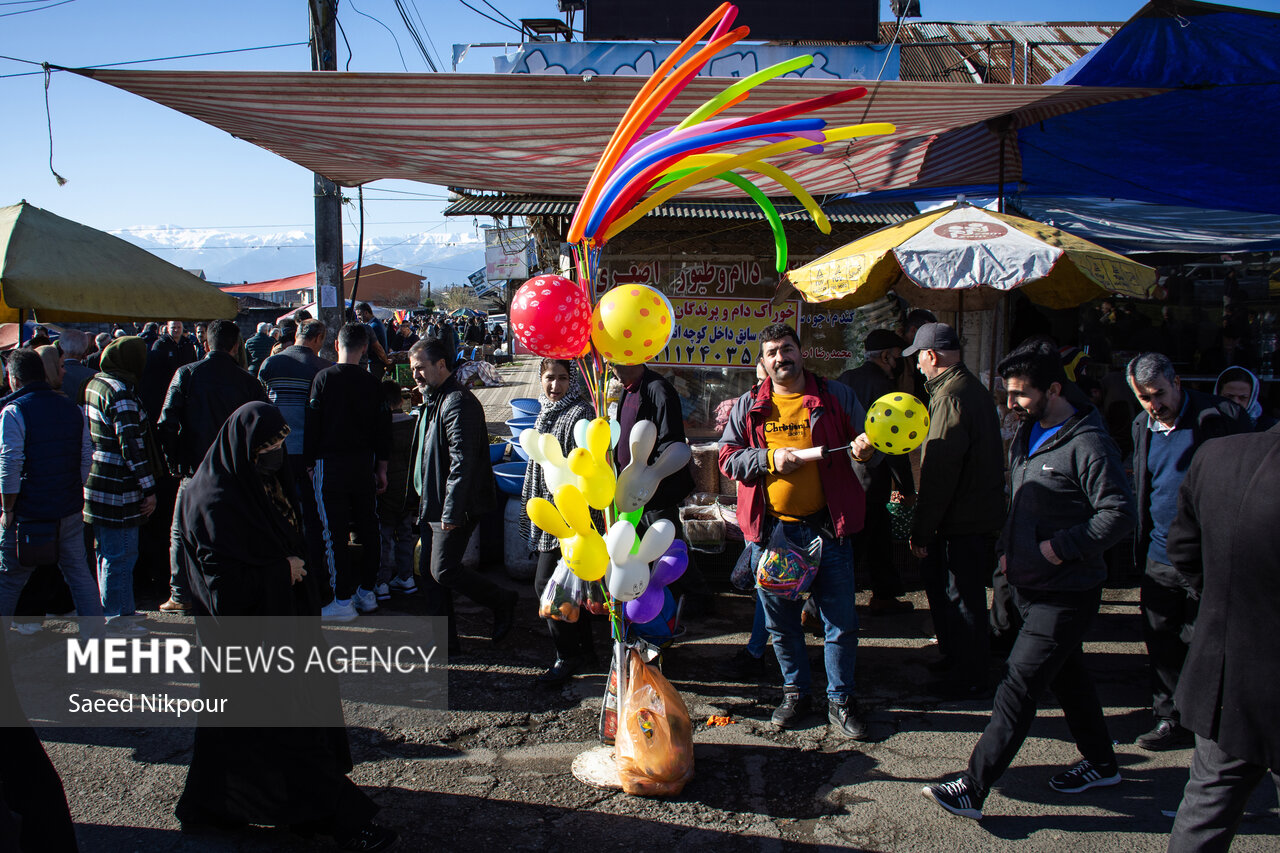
<point>964,258</point>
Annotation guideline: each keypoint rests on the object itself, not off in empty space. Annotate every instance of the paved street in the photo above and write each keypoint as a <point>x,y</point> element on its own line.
<point>494,772</point>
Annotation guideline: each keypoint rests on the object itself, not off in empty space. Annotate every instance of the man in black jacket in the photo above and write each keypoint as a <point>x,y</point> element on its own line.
<point>873,547</point>
<point>1225,543</point>
<point>451,475</point>
<point>346,445</point>
<point>200,399</point>
<point>1174,423</point>
<point>1071,501</point>
<point>647,396</point>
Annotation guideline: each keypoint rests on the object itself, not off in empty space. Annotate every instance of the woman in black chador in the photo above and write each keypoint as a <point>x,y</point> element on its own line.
<point>241,546</point>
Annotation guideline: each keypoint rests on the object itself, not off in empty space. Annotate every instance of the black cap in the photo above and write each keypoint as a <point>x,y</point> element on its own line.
<point>879,339</point>
<point>938,336</point>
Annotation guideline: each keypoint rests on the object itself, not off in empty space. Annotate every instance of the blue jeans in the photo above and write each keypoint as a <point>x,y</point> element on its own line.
<point>117,554</point>
<point>73,564</point>
<point>833,592</point>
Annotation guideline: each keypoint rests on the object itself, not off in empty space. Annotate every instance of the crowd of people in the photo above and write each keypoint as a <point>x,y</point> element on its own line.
<point>248,464</point>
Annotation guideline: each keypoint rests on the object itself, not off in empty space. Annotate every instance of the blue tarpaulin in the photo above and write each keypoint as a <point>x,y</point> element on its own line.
<point>1210,142</point>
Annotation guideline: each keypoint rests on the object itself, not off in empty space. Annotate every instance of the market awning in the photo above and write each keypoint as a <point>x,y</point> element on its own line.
<point>302,281</point>
<point>66,271</point>
<point>543,134</point>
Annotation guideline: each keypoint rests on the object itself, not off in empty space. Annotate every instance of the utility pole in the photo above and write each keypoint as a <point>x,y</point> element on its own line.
<point>330,300</point>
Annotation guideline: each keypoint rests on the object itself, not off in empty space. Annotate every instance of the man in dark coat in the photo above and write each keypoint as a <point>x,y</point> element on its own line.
<point>1225,543</point>
<point>647,396</point>
<point>201,397</point>
<point>960,506</point>
<point>259,346</point>
<point>872,547</point>
<point>171,350</point>
<point>451,475</point>
<point>1173,425</point>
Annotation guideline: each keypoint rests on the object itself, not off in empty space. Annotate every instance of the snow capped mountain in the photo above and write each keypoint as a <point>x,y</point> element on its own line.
<point>228,256</point>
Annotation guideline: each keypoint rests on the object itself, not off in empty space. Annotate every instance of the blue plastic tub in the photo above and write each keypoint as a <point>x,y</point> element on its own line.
<point>519,425</point>
<point>523,407</point>
<point>497,451</point>
<point>517,452</point>
<point>510,477</point>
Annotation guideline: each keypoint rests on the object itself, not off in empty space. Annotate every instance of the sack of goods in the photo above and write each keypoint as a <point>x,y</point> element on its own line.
<point>655,740</point>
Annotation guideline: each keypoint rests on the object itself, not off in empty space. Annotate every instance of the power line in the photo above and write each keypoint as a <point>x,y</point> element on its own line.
<point>41,9</point>
<point>425,31</point>
<point>385,27</point>
<point>502,13</point>
<point>142,61</point>
<point>491,18</point>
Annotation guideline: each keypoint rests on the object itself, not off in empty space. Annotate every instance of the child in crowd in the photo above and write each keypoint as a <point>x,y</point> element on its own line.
<point>395,518</point>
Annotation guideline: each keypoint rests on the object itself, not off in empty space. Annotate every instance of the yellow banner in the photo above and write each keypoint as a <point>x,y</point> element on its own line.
<point>722,332</point>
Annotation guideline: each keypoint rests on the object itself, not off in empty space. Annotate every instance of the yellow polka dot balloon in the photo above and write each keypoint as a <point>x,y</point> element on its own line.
<point>631,324</point>
<point>897,423</point>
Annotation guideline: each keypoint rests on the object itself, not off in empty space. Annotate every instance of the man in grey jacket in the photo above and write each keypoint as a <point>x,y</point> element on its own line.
<point>1071,501</point>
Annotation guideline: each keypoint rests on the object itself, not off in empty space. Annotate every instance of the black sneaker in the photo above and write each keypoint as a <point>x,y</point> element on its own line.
<point>1166,735</point>
<point>957,797</point>
<point>749,667</point>
<point>794,706</point>
<point>369,838</point>
<point>846,719</point>
<point>1085,775</point>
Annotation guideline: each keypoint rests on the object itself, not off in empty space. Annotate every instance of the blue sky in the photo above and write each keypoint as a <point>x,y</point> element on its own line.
<point>131,163</point>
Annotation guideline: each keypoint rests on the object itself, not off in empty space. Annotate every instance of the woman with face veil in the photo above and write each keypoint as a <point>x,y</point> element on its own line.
<point>241,547</point>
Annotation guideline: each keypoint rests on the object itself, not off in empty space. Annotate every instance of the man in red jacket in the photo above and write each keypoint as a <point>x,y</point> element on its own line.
<point>791,411</point>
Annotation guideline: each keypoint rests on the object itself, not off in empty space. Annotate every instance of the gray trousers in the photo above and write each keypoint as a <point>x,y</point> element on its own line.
<point>1214,799</point>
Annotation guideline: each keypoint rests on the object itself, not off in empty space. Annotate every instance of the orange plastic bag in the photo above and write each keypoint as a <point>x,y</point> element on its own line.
<point>655,738</point>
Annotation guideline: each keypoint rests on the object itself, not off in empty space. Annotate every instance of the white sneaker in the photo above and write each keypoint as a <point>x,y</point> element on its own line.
<point>364,600</point>
<point>383,591</point>
<point>122,628</point>
<point>338,611</point>
<point>407,586</point>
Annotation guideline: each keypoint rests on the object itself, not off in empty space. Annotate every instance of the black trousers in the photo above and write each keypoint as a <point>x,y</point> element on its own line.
<point>1047,654</point>
<point>1169,617</point>
<point>446,575</point>
<point>1214,799</point>
<point>571,639</point>
<point>346,497</point>
<point>692,583</point>
<point>955,578</point>
<point>873,546</point>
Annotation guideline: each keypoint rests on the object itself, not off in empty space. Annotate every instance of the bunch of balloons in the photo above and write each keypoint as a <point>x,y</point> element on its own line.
<point>694,150</point>
<point>634,569</point>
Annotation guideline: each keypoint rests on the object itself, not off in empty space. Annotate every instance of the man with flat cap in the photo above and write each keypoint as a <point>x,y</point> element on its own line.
<point>872,547</point>
<point>960,508</point>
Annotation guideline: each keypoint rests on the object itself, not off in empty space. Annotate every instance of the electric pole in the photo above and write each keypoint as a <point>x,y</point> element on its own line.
<point>330,300</point>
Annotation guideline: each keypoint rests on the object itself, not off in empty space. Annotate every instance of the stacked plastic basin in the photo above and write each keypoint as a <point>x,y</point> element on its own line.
<point>510,477</point>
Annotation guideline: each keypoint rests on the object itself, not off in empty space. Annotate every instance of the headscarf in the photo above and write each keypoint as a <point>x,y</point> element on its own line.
<point>1238,373</point>
<point>124,358</point>
<point>52,362</point>
<point>240,526</point>
<point>558,419</point>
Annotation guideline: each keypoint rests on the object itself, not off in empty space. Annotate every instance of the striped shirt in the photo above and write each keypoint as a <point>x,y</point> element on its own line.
<point>122,473</point>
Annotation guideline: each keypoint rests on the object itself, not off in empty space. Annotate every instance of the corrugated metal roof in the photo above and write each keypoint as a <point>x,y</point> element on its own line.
<point>997,52</point>
<point>850,212</point>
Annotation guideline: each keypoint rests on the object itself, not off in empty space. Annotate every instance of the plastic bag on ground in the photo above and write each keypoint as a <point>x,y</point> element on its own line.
<point>655,738</point>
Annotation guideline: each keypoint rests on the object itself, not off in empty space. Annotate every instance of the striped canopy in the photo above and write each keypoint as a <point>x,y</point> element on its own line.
<point>525,133</point>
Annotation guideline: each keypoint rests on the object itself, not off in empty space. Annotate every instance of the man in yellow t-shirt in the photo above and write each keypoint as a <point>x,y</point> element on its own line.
<point>770,427</point>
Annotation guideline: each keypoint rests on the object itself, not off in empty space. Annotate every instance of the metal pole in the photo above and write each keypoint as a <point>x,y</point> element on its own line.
<point>328,198</point>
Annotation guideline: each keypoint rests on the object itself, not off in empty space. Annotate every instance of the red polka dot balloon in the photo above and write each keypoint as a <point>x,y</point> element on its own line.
<point>551,316</point>
<point>631,324</point>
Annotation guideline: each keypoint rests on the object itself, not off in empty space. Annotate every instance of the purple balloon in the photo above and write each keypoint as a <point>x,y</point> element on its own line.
<point>647,607</point>
<point>671,565</point>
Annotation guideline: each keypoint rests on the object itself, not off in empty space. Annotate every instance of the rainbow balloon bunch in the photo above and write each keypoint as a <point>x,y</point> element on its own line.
<point>691,152</point>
